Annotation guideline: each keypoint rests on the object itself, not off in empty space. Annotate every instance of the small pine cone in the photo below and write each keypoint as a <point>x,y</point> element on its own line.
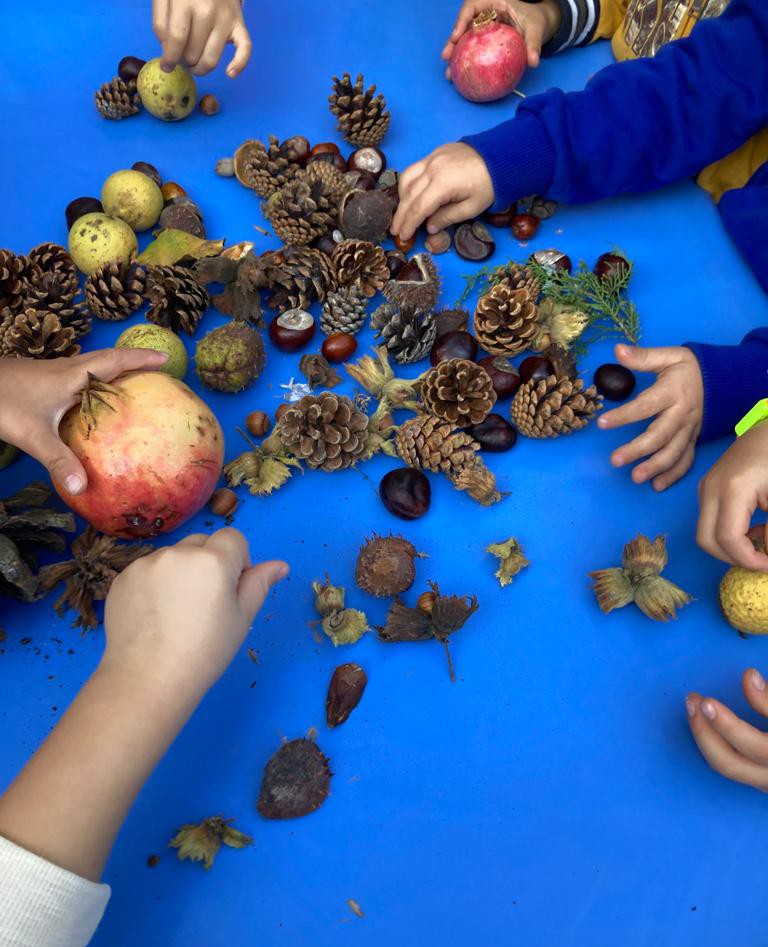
<point>176,300</point>
<point>53,258</point>
<point>362,116</point>
<point>325,430</point>
<point>118,99</point>
<point>298,276</point>
<point>554,406</point>
<point>6,321</point>
<point>34,334</point>
<point>16,273</point>
<point>428,443</point>
<point>115,290</point>
<point>361,264</point>
<point>518,276</point>
<point>301,211</point>
<point>458,391</point>
<point>264,170</point>
<point>344,311</point>
<point>53,291</point>
<point>506,320</point>
<point>408,336</point>
<point>335,183</point>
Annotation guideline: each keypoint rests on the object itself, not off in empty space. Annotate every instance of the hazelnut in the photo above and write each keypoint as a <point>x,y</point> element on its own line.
<point>426,602</point>
<point>209,105</point>
<point>172,189</point>
<point>258,423</point>
<point>439,242</point>
<point>223,502</point>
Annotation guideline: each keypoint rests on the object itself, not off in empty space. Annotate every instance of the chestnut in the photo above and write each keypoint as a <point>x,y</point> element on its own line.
<point>535,367</point>
<point>296,149</point>
<point>223,502</point>
<point>364,181</point>
<point>405,246</point>
<point>610,264</point>
<point>395,261</point>
<point>473,241</point>
<point>80,206</point>
<point>172,189</point>
<point>327,243</point>
<point>129,68</point>
<point>500,218</point>
<point>494,434</point>
<point>257,423</point>
<point>209,105</point>
<point>411,272</point>
<point>525,226</point>
<point>326,148</point>
<point>292,330</point>
<point>330,157</point>
<point>338,346</point>
<point>614,382</point>
<point>552,260</point>
<point>370,159</point>
<point>456,344</point>
<point>405,492</point>
<point>439,242</point>
<point>504,375</point>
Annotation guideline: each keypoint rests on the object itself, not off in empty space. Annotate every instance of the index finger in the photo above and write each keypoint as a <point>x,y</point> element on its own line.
<point>466,14</point>
<point>176,38</point>
<point>733,519</point>
<point>242,40</point>
<point>645,405</point>
<point>160,18</point>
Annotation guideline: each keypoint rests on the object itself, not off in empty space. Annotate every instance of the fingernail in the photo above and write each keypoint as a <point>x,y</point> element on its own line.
<point>73,483</point>
<point>758,681</point>
<point>690,706</point>
<point>231,73</point>
<point>431,228</point>
<point>166,67</point>
<point>708,709</point>
<point>282,573</point>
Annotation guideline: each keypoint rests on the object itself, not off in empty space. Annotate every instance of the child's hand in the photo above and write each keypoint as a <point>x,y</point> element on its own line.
<point>180,614</point>
<point>729,495</point>
<point>537,22</point>
<point>677,401</point>
<point>731,746</point>
<point>195,32</point>
<point>35,396</point>
<point>450,185</point>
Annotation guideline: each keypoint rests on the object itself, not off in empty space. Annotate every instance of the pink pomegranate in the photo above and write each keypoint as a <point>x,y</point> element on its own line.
<point>489,59</point>
<point>153,452</point>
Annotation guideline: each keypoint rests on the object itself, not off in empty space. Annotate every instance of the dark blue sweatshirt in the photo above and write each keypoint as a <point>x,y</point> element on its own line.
<point>643,124</point>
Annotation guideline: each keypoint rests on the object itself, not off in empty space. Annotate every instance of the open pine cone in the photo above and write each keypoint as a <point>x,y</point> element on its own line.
<point>325,430</point>
<point>519,276</point>
<point>344,311</point>
<point>428,443</point>
<point>362,264</point>
<point>118,99</point>
<point>301,211</point>
<point>506,320</point>
<point>53,258</point>
<point>334,182</point>
<point>264,169</point>
<point>115,290</point>
<point>34,334</point>
<point>298,276</point>
<point>176,300</point>
<point>408,336</point>
<point>554,406</point>
<point>362,115</point>
<point>16,273</point>
<point>55,293</point>
<point>458,391</point>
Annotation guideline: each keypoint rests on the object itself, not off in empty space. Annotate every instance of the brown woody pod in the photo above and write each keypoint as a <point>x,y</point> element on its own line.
<point>344,693</point>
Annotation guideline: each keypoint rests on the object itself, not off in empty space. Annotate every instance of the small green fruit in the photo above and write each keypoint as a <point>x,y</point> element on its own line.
<point>8,453</point>
<point>96,239</point>
<point>167,95</point>
<point>148,336</point>
<point>133,197</point>
<point>230,358</point>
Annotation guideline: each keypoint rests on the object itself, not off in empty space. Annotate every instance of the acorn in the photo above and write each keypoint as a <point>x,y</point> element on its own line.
<point>458,344</point>
<point>224,502</point>
<point>473,241</point>
<point>504,376</point>
<point>292,330</point>
<point>385,565</point>
<point>614,382</point>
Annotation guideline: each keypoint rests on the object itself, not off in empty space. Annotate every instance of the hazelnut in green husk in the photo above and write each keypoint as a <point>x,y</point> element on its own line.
<point>200,842</point>
<point>133,197</point>
<point>345,627</point>
<point>328,598</point>
<point>170,96</point>
<point>160,339</point>
<point>96,238</point>
<point>8,453</point>
<point>230,358</point>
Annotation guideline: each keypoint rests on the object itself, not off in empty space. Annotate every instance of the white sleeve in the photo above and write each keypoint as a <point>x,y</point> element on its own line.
<point>42,905</point>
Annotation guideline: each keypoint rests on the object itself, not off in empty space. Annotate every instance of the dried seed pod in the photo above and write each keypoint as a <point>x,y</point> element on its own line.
<point>385,565</point>
<point>345,627</point>
<point>296,781</point>
<point>473,241</point>
<point>511,560</point>
<point>365,215</point>
<point>318,372</point>
<point>200,842</point>
<point>478,481</point>
<point>328,598</point>
<point>417,285</point>
<point>344,693</point>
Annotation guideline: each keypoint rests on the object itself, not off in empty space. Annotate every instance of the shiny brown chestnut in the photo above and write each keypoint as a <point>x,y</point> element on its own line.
<point>395,261</point>
<point>129,68</point>
<point>504,375</point>
<point>149,169</point>
<point>552,259</point>
<point>535,367</point>
<point>405,492</point>
<point>494,434</point>
<point>525,226</point>
<point>369,159</point>
<point>292,330</point>
<point>80,206</point>
<point>614,382</point>
<point>500,218</point>
<point>327,243</point>
<point>339,346</point>
<point>456,344</point>
<point>172,189</point>
<point>473,241</point>
<point>324,148</point>
<point>610,264</point>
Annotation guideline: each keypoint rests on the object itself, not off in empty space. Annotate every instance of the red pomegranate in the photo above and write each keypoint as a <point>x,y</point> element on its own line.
<point>489,59</point>
<point>153,452</point>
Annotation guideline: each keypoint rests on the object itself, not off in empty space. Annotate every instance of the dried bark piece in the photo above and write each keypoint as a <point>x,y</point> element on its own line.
<point>296,781</point>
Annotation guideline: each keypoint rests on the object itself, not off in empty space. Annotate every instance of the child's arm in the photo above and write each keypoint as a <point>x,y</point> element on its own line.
<point>173,621</point>
<point>35,396</point>
<point>195,32</point>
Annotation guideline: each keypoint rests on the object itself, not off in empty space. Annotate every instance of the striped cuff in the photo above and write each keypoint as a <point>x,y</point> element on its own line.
<point>578,22</point>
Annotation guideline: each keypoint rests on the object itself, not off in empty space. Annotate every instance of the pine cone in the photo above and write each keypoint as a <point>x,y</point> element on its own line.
<point>264,170</point>
<point>407,335</point>
<point>6,321</point>
<point>518,276</point>
<point>118,99</point>
<point>458,391</point>
<point>506,320</point>
<point>298,276</point>
<point>176,300</point>
<point>16,272</point>
<point>34,334</point>
<point>54,293</point>
<point>554,406</point>
<point>301,210</point>
<point>344,311</point>
<point>115,290</point>
<point>361,264</point>
<point>335,183</point>
<point>431,444</point>
<point>362,117</point>
<point>53,258</point>
<point>325,430</point>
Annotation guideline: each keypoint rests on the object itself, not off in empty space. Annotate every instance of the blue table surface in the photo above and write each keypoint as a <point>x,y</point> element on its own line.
<point>553,794</point>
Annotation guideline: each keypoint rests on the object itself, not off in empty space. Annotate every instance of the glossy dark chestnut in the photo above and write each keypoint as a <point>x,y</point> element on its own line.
<point>552,260</point>
<point>364,181</point>
<point>614,382</point>
<point>292,330</point>
<point>535,367</point>
<point>370,159</point>
<point>339,346</point>
<point>456,344</point>
<point>395,261</point>
<point>525,226</point>
<point>504,375</point>
<point>494,434</point>
<point>405,492</point>
<point>149,169</point>
<point>325,148</point>
<point>473,241</point>
<point>610,263</point>
<point>129,68</point>
<point>500,218</point>
<point>410,273</point>
<point>330,157</point>
<point>80,206</point>
<point>327,243</point>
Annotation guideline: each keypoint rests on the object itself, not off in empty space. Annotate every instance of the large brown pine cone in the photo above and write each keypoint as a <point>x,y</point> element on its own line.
<point>362,264</point>
<point>506,320</point>
<point>344,311</point>
<point>431,444</point>
<point>115,290</point>
<point>408,336</point>
<point>54,292</point>
<point>118,99</point>
<point>298,276</point>
<point>325,430</point>
<point>264,169</point>
<point>554,406</point>
<point>458,391</point>
<point>16,273</point>
<point>53,258</point>
<point>519,276</point>
<point>300,211</point>
<point>334,182</point>
<point>176,300</point>
<point>362,115</point>
<point>34,334</point>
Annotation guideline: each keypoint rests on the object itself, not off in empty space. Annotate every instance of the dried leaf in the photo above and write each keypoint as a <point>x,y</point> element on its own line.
<point>511,560</point>
<point>200,842</point>
<point>175,246</point>
<point>296,781</point>
<point>344,693</point>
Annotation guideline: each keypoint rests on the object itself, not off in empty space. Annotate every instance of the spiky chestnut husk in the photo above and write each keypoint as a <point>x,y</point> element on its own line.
<point>230,358</point>
<point>385,565</point>
<point>296,781</point>
<point>417,286</point>
<point>328,598</point>
<point>366,215</point>
<point>511,560</point>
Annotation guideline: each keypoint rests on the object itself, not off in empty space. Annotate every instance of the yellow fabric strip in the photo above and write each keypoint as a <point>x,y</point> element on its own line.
<point>737,168</point>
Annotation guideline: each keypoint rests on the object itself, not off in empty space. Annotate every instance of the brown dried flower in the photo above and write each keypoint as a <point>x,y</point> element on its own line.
<point>318,371</point>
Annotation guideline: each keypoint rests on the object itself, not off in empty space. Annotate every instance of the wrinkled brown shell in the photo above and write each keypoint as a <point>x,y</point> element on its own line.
<point>296,781</point>
<point>385,566</point>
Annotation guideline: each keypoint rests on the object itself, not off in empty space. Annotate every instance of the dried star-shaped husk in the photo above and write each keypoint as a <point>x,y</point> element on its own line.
<point>344,693</point>
<point>511,560</point>
<point>375,375</point>
<point>95,397</point>
<point>639,581</point>
<point>200,842</point>
<point>478,481</point>
<point>296,781</point>
<point>243,279</point>
<point>262,473</point>
<point>328,598</point>
<point>318,371</point>
<point>346,626</point>
<point>96,562</point>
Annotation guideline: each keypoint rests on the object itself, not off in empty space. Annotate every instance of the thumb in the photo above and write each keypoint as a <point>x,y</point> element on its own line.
<point>646,360</point>
<point>65,469</point>
<point>256,582</point>
<point>109,363</point>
